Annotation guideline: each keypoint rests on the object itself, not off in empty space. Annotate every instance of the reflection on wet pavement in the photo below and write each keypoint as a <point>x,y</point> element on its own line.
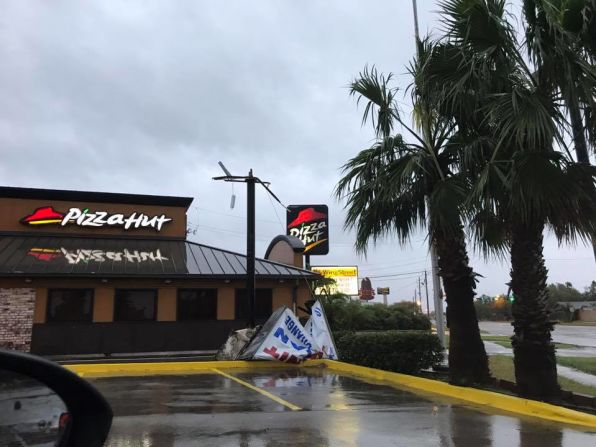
<point>212,410</point>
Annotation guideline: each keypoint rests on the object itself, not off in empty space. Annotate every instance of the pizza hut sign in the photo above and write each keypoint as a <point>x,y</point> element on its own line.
<point>47,215</point>
<point>310,224</point>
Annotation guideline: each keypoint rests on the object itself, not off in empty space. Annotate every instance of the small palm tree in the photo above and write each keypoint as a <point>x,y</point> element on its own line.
<point>395,187</point>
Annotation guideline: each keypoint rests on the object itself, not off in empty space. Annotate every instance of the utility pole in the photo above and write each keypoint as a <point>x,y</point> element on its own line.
<point>438,301</point>
<point>426,287</point>
<point>419,294</point>
<point>250,181</point>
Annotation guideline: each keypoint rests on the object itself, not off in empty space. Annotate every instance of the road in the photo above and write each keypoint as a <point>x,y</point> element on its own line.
<point>574,335</point>
<point>307,408</point>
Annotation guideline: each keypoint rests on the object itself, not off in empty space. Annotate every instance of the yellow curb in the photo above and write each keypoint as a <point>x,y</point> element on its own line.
<point>491,399</point>
<point>511,404</point>
<point>159,368</point>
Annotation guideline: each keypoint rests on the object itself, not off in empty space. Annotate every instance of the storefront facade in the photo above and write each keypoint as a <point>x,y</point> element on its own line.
<point>98,273</point>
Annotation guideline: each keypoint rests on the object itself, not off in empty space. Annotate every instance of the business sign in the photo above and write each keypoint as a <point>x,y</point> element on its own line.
<point>47,215</point>
<point>345,277</point>
<point>79,255</point>
<point>367,292</point>
<point>282,338</point>
<point>310,224</point>
<point>318,329</point>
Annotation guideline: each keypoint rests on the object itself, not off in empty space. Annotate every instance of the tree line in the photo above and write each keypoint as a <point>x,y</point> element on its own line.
<point>497,150</point>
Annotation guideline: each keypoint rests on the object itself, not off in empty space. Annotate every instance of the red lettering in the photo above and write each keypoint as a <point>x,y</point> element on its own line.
<point>272,351</point>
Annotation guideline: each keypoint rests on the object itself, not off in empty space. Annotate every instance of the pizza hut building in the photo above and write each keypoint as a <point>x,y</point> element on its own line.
<point>104,273</point>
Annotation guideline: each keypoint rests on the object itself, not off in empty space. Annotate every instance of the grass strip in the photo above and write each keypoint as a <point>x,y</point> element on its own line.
<point>585,364</point>
<point>501,367</point>
<point>505,341</point>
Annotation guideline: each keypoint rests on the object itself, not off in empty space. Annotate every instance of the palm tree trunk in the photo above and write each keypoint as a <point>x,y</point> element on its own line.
<point>533,350</point>
<point>579,138</point>
<point>468,363</point>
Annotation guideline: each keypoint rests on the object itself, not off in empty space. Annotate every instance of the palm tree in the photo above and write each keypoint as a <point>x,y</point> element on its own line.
<point>395,186</point>
<point>508,120</point>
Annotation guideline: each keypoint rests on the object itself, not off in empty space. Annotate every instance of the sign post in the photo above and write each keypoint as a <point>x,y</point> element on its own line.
<point>383,291</point>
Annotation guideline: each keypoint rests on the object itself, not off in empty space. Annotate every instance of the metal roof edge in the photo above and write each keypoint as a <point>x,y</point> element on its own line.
<point>16,192</point>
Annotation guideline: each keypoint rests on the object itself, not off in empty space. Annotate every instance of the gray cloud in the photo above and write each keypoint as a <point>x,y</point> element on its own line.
<point>147,96</point>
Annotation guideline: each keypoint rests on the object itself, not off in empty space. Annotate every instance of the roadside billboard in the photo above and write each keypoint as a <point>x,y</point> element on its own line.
<point>346,278</point>
<point>310,224</point>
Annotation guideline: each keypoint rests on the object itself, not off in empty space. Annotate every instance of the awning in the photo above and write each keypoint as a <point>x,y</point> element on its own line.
<point>51,256</point>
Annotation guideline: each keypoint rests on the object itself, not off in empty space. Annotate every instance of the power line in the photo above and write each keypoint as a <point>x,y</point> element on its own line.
<point>397,274</point>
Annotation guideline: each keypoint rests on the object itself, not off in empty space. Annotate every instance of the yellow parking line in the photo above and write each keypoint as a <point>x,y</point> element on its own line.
<point>279,400</point>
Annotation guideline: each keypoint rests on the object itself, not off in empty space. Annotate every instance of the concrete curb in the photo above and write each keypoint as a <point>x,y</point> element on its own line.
<point>511,404</point>
<point>159,368</point>
<point>491,399</point>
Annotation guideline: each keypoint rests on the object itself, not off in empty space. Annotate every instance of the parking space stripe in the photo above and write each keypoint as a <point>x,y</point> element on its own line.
<point>273,397</point>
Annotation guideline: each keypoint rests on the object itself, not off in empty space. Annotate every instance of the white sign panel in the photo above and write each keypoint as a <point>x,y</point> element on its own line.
<point>318,329</point>
<point>345,277</point>
<point>287,341</point>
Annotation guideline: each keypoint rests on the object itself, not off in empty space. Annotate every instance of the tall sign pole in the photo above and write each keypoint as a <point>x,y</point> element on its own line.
<point>250,181</point>
<point>250,248</point>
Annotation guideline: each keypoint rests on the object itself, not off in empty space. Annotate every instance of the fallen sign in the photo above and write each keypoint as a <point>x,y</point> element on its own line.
<point>318,328</point>
<point>281,338</point>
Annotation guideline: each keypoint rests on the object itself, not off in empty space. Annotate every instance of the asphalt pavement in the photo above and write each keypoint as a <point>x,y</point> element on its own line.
<point>307,407</point>
<point>584,336</point>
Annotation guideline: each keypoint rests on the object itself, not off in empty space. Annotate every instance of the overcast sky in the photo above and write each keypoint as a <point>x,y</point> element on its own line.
<point>147,96</point>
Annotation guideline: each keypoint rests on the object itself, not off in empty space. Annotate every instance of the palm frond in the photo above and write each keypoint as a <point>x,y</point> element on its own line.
<point>381,107</point>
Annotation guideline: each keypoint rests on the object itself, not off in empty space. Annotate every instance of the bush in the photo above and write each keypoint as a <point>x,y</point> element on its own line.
<point>347,315</point>
<point>403,352</point>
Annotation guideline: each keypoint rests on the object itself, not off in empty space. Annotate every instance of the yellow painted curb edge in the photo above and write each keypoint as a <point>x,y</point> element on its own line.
<point>492,399</point>
<point>159,368</point>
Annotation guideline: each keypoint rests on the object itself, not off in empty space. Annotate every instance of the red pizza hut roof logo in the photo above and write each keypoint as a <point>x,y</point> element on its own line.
<point>43,216</point>
<point>307,215</point>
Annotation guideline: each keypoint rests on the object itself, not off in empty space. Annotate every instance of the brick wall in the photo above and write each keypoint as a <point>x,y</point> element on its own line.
<point>16,318</point>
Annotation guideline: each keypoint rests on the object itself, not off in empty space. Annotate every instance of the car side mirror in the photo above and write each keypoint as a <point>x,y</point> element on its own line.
<point>40,401</point>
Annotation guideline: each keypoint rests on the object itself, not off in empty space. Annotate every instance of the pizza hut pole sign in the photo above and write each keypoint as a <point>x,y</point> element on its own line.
<point>310,224</point>
<point>47,215</point>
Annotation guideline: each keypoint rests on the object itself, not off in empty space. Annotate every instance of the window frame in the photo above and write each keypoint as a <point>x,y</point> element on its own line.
<point>136,289</point>
<point>49,320</point>
<point>187,289</point>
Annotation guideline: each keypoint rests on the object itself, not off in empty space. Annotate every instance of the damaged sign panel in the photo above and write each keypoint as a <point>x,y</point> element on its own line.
<point>282,338</point>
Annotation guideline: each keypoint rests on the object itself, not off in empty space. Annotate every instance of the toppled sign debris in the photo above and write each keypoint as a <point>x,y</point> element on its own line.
<point>283,338</point>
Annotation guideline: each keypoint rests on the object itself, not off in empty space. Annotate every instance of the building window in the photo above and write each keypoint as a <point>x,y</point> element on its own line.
<point>263,304</point>
<point>197,304</point>
<point>70,305</point>
<point>135,304</point>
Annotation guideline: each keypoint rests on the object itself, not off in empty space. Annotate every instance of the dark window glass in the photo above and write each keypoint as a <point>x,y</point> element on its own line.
<point>197,304</point>
<point>263,304</point>
<point>135,304</point>
<point>70,304</point>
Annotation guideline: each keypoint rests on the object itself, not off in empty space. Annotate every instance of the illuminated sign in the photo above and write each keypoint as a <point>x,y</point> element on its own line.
<point>47,215</point>
<point>92,255</point>
<point>345,277</point>
<point>310,224</point>
<point>367,292</point>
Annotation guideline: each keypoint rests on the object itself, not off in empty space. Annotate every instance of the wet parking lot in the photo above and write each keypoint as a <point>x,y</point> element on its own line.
<point>307,407</point>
